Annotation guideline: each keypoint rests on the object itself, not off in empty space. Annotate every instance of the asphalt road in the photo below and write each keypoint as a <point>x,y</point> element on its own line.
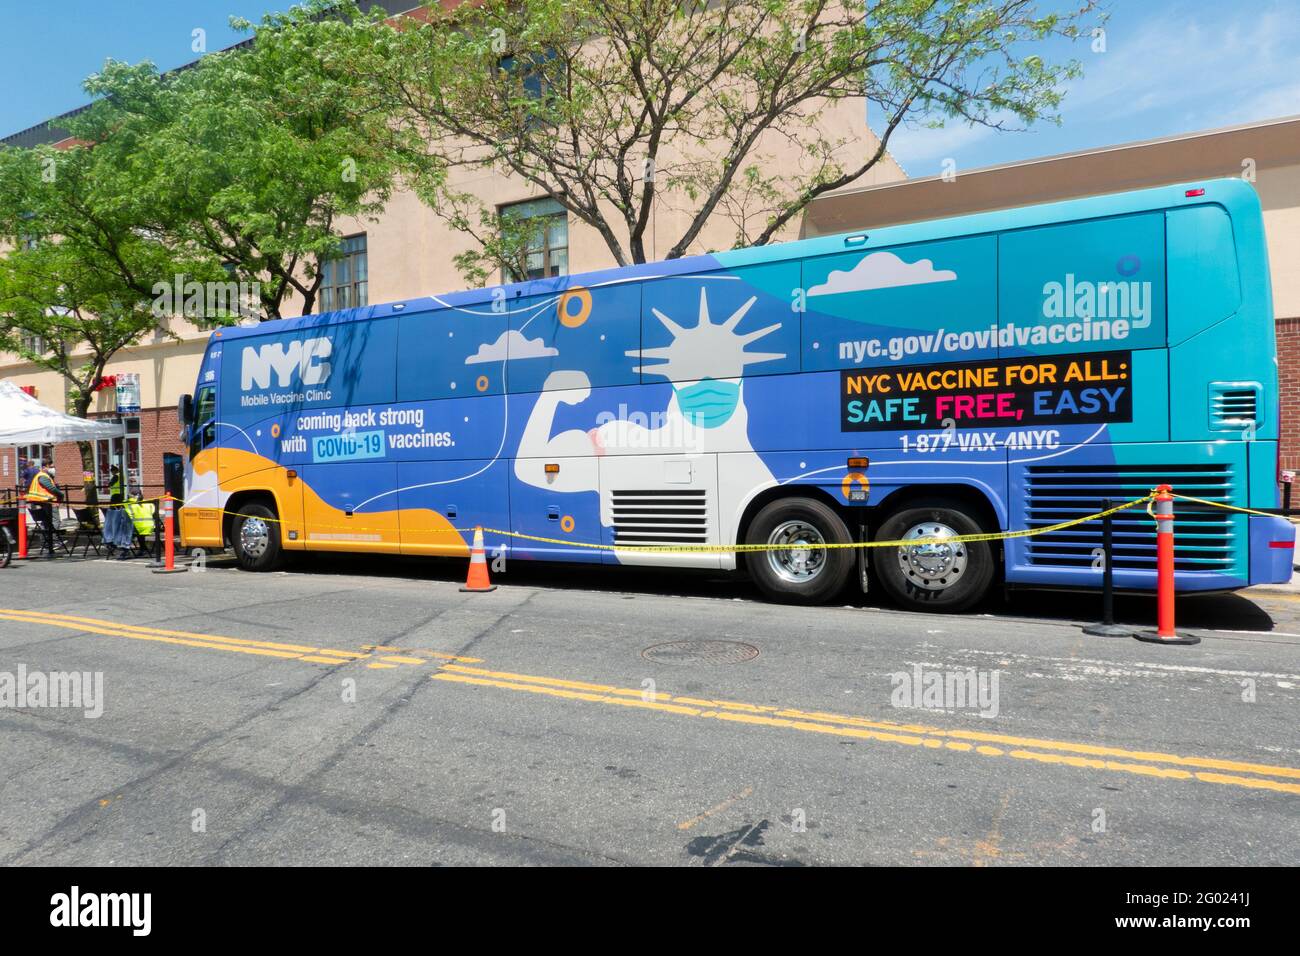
<point>365,711</point>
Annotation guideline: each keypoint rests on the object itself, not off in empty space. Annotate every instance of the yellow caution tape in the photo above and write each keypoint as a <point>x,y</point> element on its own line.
<point>1220,504</point>
<point>742,548</point>
<point>835,546</point>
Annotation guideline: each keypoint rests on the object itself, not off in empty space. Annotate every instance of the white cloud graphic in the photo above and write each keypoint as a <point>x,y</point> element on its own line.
<point>882,270</point>
<point>511,345</point>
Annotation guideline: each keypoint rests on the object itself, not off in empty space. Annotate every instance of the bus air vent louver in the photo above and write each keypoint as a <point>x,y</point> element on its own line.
<point>1056,493</point>
<point>1235,406</point>
<point>678,516</point>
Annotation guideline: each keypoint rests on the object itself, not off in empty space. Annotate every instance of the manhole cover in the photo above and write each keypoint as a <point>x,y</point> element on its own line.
<point>701,652</point>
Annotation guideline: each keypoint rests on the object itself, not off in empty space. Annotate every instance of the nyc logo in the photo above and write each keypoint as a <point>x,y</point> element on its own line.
<point>306,357</point>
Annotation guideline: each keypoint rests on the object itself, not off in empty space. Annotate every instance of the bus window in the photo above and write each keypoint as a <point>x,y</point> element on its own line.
<point>913,304</point>
<point>592,329</point>
<point>457,352</point>
<point>1091,286</point>
<point>204,430</point>
<point>1204,282</point>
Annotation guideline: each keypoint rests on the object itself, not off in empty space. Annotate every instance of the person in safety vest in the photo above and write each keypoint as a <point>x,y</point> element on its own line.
<point>42,495</point>
<point>115,486</point>
<point>141,514</point>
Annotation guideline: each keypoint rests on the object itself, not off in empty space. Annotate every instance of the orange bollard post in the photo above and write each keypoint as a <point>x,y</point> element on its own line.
<point>1165,632</point>
<point>22,526</point>
<point>477,579</point>
<point>169,545</point>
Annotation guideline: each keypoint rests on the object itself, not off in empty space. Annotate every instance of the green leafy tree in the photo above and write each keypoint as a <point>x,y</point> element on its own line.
<point>251,157</point>
<point>76,279</point>
<point>607,106</point>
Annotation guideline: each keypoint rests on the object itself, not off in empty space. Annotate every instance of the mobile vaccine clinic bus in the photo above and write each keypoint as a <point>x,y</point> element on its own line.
<point>1000,371</point>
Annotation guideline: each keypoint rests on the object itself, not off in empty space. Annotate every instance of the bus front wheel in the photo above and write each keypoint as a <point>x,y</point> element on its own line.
<point>933,576</point>
<point>795,567</point>
<point>255,537</point>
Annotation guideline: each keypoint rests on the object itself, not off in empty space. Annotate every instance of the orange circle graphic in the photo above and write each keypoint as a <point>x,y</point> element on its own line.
<point>567,524</point>
<point>583,297</point>
<point>275,431</point>
<point>481,383</point>
<point>847,484</point>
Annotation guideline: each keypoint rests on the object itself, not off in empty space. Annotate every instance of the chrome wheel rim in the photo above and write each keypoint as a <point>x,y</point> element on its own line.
<point>254,537</point>
<point>935,565</point>
<point>798,553</point>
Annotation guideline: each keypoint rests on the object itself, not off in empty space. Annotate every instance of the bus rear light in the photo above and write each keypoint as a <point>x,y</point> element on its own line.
<point>1193,193</point>
<point>1283,545</point>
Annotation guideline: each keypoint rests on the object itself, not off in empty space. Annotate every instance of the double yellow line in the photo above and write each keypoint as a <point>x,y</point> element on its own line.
<point>456,669</point>
<point>374,656</point>
<point>1060,752</point>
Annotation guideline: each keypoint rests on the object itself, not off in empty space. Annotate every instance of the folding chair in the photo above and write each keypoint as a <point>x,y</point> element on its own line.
<point>50,534</point>
<point>88,527</point>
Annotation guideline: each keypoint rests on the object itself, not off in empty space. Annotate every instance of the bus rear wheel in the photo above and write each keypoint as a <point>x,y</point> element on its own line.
<point>794,568</point>
<point>933,576</point>
<point>255,537</point>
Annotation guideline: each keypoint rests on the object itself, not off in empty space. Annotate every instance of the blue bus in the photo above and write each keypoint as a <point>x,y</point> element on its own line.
<point>982,373</point>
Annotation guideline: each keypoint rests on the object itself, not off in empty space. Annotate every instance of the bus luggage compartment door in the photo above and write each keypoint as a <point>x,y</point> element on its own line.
<point>557,499</point>
<point>661,500</point>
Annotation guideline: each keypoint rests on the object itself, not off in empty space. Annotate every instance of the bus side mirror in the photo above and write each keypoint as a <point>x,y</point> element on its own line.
<point>185,409</point>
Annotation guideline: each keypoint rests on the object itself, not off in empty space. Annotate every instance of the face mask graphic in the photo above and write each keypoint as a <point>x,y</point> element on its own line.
<point>709,403</point>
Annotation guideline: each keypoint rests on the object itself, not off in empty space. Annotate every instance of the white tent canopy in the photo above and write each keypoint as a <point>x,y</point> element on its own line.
<point>25,421</point>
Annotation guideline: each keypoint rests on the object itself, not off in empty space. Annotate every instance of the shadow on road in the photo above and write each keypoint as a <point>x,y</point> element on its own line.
<point>1210,611</point>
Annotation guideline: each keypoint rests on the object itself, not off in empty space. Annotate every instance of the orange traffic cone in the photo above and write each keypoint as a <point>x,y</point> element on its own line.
<point>478,569</point>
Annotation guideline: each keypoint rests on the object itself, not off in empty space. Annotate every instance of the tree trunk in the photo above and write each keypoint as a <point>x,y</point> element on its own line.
<point>88,472</point>
<point>80,407</point>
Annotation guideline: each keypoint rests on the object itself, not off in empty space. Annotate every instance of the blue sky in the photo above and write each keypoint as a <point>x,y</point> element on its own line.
<point>1170,66</point>
<point>49,48</point>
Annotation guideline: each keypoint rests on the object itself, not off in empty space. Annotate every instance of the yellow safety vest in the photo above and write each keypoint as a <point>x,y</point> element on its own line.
<point>141,515</point>
<point>38,492</point>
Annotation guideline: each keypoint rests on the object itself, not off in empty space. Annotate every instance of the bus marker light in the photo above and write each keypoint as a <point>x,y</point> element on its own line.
<point>858,462</point>
<point>1193,193</point>
<point>552,468</point>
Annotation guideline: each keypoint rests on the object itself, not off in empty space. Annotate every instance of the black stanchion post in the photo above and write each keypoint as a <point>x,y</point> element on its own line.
<point>1107,627</point>
<point>157,540</point>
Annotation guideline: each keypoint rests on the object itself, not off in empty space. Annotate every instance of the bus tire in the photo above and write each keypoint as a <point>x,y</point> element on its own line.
<point>793,575</point>
<point>946,578</point>
<point>255,538</point>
